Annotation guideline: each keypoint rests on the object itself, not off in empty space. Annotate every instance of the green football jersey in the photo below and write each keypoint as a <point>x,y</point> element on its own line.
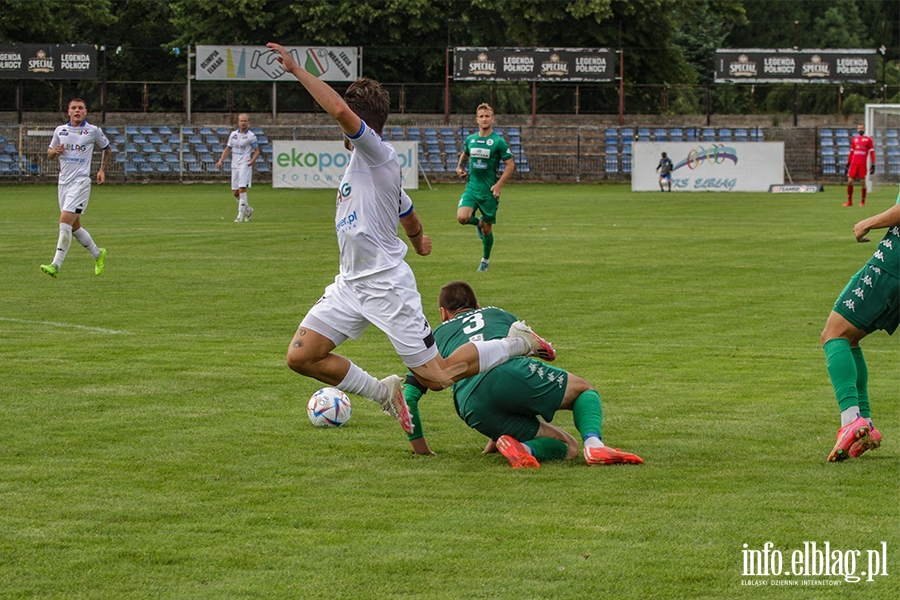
<point>485,156</point>
<point>487,323</point>
<point>887,255</point>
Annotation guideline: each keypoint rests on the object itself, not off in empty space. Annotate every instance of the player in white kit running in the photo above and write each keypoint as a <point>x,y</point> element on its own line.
<point>375,285</point>
<point>73,145</point>
<point>244,151</point>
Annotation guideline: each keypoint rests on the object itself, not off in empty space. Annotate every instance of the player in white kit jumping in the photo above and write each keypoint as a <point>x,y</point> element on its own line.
<point>375,285</point>
<point>73,145</point>
<point>244,150</point>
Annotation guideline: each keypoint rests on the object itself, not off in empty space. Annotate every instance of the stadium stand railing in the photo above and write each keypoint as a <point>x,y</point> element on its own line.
<point>541,153</point>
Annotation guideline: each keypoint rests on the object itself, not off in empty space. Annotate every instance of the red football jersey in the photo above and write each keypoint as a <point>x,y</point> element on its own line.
<point>860,147</point>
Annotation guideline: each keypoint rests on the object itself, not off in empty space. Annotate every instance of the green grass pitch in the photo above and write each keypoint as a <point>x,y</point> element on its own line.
<point>153,444</point>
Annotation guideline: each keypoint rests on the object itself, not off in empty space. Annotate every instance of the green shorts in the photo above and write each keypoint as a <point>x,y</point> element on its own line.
<point>871,301</point>
<point>486,204</point>
<point>510,397</point>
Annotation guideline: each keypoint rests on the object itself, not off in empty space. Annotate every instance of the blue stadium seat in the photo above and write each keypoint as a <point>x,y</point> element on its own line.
<point>841,133</point>
<point>138,139</point>
<point>165,148</point>
<point>163,168</point>
<point>612,150</point>
<point>725,135</point>
<point>660,134</point>
<point>119,139</point>
<point>263,168</point>
<point>675,134</point>
<point>155,139</point>
<point>171,158</point>
<point>824,133</point>
<point>262,139</point>
<point>146,130</point>
<point>413,133</point>
<point>626,149</point>
<point>612,164</point>
<point>146,167</point>
<point>138,158</point>
<point>397,133</point>
<point>513,131</point>
<point>223,131</point>
<point>165,131</point>
<point>131,130</point>
<point>174,139</point>
<point>626,164</point>
<point>119,157</point>
<point>6,158</point>
<point>643,134</point>
<point>257,130</point>
<point>612,132</point>
<point>148,148</point>
<point>452,149</point>
<point>155,158</point>
<point>432,149</point>
<point>211,139</point>
<point>189,158</point>
<point>498,131</point>
<point>709,135</point>
<point>5,168</point>
<point>206,131</point>
<point>195,139</point>
<point>628,133</point>
<point>108,131</point>
<point>196,167</point>
<point>690,134</point>
<point>827,141</point>
<point>208,158</point>
<point>201,148</point>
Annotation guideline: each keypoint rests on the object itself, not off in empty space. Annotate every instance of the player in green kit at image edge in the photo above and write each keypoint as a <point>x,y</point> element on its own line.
<point>505,403</point>
<point>869,302</point>
<point>484,151</point>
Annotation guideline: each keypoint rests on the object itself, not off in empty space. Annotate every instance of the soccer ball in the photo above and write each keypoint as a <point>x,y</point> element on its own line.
<point>329,407</point>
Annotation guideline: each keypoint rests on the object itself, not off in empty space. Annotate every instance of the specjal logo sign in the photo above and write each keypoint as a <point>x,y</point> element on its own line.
<point>48,61</point>
<point>796,66</point>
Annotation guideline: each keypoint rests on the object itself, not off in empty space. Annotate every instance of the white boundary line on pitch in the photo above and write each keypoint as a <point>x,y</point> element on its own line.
<point>71,325</point>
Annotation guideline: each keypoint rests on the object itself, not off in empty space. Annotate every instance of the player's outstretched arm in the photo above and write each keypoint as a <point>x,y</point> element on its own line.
<point>323,93</point>
<point>889,218</point>
<point>414,230</point>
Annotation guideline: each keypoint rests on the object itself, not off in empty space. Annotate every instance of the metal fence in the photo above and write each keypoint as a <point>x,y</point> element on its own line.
<point>162,153</point>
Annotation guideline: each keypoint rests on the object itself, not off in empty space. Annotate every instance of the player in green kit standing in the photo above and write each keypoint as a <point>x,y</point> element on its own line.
<point>484,151</point>
<point>869,302</point>
<point>505,404</point>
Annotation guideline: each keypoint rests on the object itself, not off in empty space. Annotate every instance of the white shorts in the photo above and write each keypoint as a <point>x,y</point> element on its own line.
<point>241,177</point>
<point>389,301</point>
<point>74,196</point>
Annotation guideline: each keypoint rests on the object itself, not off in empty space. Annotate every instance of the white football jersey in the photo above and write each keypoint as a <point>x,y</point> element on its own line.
<point>242,146</point>
<point>75,161</point>
<point>370,202</point>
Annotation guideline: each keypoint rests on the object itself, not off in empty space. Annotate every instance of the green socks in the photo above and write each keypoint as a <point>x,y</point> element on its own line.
<point>588,414</point>
<point>842,369</point>
<point>547,449</point>
<point>862,382</point>
<point>488,243</point>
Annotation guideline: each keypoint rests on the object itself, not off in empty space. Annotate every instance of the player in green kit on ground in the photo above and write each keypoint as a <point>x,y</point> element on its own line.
<point>869,302</point>
<point>504,403</point>
<point>484,151</point>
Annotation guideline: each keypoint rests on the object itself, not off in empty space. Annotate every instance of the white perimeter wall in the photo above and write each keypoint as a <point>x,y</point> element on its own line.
<point>709,166</point>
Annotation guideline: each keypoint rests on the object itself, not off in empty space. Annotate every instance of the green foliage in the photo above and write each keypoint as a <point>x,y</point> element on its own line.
<point>155,444</point>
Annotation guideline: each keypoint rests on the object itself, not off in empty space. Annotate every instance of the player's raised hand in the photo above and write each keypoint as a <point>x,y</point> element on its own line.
<point>285,58</point>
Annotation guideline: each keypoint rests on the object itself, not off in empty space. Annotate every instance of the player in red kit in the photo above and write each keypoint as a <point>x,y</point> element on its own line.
<point>861,147</point>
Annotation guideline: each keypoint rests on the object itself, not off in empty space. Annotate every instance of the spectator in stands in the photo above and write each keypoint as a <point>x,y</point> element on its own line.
<point>73,145</point>
<point>664,168</point>
<point>861,148</point>
<point>241,144</point>
<point>484,151</point>
<point>869,302</point>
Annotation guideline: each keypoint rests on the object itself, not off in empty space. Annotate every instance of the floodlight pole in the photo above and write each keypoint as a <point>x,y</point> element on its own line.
<point>621,86</point>
<point>187,100</point>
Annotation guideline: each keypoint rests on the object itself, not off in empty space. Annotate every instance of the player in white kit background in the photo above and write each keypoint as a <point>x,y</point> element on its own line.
<point>244,150</point>
<point>375,285</point>
<point>73,145</point>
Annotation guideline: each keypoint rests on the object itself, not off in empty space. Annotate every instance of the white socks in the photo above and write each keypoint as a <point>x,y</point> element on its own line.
<point>593,442</point>
<point>242,205</point>
<point>84,238</point>
<point>849,415</point>
<point>492,353</point>
<point>62,245</point>
<point>361,383</point>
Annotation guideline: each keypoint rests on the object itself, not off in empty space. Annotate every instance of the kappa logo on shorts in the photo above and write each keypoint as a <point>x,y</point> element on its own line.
<point>850,304</point>
<point>860,293</point>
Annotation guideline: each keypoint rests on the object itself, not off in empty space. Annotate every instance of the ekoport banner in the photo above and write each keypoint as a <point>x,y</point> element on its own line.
<point>713,167</point>
<point>796,66</point>
<point>48,61</point>
<point>533,64</point>
<point>258,63</point>
<point>310,164</point>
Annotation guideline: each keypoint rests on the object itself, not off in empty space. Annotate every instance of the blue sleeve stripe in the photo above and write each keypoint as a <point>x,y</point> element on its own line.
<point>407,213</point>
<point>362,130</point>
